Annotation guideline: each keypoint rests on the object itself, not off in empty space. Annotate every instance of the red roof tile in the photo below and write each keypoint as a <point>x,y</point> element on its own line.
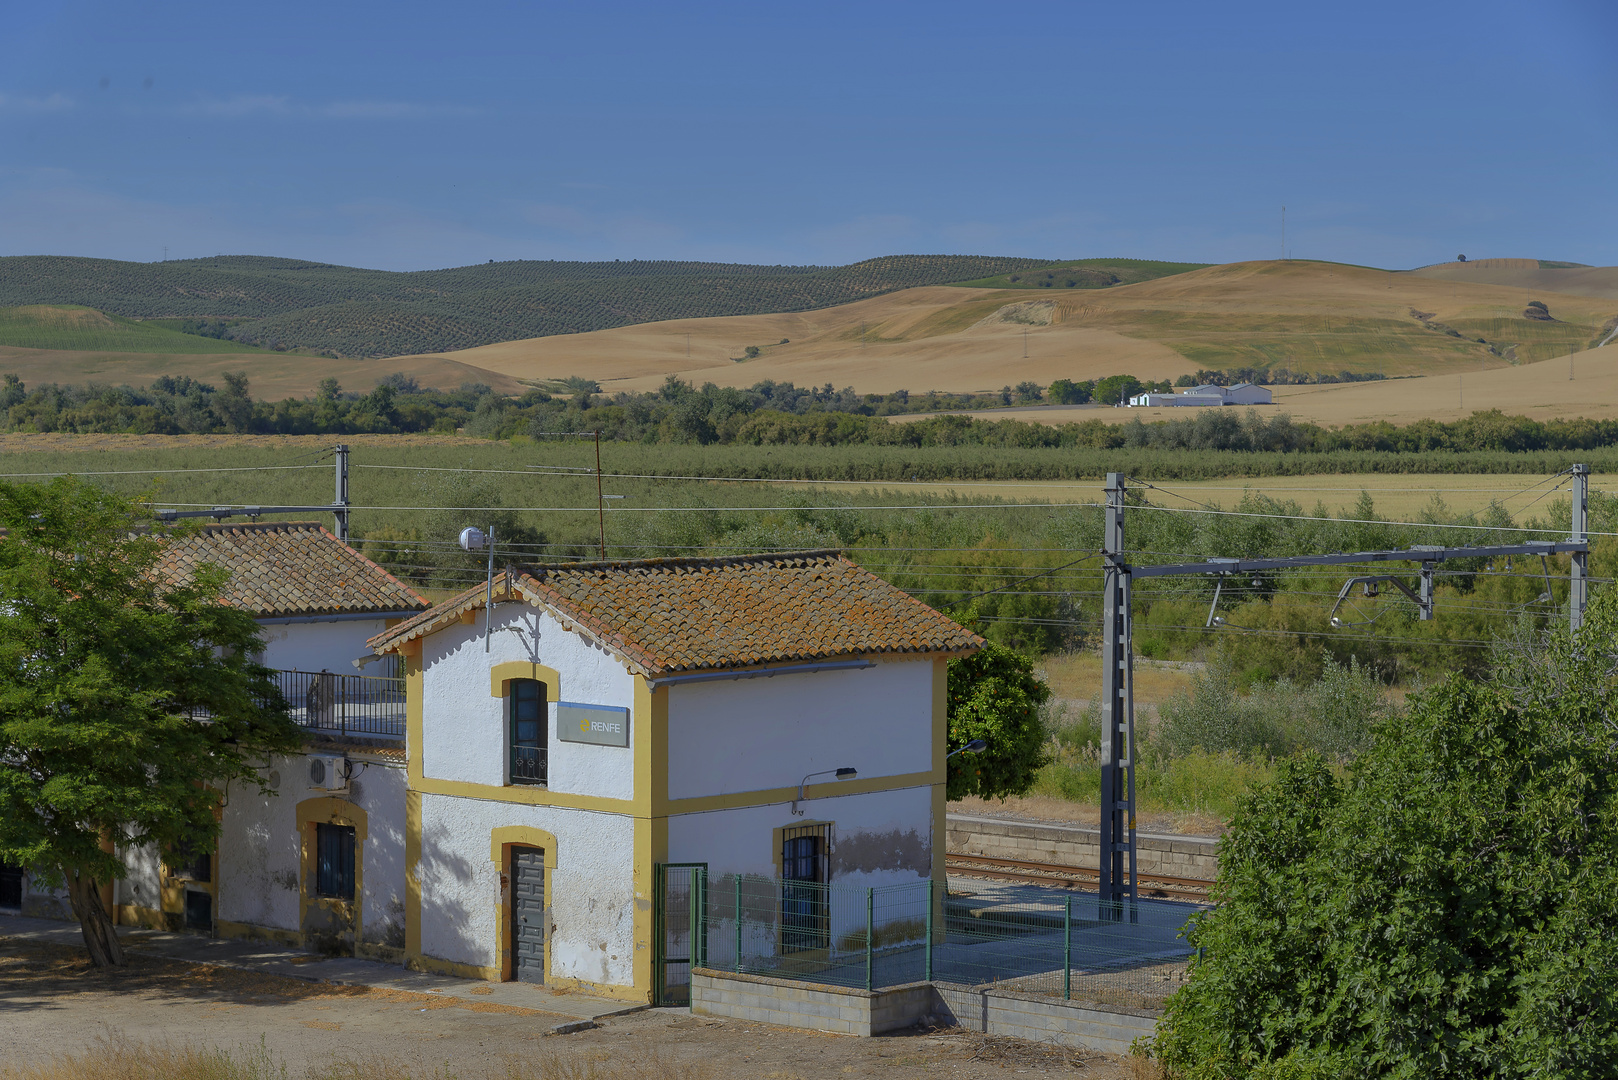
<point>668,615</point>
<point>288,569</point>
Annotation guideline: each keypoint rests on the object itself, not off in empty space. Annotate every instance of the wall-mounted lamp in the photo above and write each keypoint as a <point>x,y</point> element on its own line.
<point>474,539</point>
<point>841,774</point>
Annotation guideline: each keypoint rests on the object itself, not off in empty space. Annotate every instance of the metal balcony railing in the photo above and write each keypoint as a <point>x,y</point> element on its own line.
<point>330,704</point>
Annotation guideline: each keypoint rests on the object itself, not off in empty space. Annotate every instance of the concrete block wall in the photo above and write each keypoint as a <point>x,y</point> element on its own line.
<point>814,1007</point>
<point>1075,845</point>
<point>808,1005</point>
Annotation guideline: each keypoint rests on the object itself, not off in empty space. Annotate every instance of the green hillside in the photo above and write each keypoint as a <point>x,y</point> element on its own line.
<point>287,303</point>
<point>1082,274</point>
<point>83,329</point>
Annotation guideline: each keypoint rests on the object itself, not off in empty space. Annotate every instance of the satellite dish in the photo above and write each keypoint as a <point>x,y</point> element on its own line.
<point>472,538</point>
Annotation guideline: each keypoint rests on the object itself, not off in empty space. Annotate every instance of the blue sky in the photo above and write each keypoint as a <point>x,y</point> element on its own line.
<point>410,135</point>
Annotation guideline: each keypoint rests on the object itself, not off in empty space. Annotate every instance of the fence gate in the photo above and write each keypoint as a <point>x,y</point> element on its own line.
<point>679,930</point>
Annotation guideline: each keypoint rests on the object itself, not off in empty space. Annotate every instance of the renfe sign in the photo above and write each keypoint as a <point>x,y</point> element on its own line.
<point>599,725</point>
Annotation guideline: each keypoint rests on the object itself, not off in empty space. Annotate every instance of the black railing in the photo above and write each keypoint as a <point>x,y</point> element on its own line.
<point>332,704</point>
<point>528,764</point>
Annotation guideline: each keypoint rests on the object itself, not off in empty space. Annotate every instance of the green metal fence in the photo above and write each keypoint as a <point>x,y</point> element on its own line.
<point>1036,940</point>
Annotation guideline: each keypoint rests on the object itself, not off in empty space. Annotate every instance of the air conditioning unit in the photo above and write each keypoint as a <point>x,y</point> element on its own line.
<point>328,772</point>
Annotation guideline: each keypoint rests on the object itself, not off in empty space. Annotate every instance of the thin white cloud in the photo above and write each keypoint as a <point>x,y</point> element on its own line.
<point>387,110</point>
<point>241,105</point>
<point>282,105</point>
<point>53,103</point>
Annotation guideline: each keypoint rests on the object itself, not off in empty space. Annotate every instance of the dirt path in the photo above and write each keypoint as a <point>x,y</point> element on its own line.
<point>52,1002</point>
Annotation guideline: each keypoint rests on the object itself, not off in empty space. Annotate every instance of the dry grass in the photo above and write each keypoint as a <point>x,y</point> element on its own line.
<point>116,1057</point>
<point>1309,316</point>
<point>1046,808</point>
<point>272,376</point>
<point>1077,677</point>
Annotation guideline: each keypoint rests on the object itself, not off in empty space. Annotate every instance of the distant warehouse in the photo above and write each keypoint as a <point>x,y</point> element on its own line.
<point>1207,394</point>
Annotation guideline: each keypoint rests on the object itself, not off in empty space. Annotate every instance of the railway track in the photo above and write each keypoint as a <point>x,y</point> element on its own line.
<point>1080,877</point>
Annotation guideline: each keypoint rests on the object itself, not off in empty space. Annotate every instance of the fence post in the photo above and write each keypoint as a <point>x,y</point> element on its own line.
<point>1067,948</point>
<point>930,884</point>
<point>738,922</point>
<point>870,910</point>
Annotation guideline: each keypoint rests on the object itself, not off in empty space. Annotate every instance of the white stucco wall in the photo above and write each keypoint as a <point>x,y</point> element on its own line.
<point>592,888</point>
<point>755,734</point>
<point>143,880</point>
<point>878,838</point>
<point>260,849</point>
<point>319,646</point>
<point>465,733</point>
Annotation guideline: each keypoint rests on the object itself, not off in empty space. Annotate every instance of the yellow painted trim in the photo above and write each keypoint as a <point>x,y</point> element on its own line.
<point>500,676</point>
<point>737,800</point>
<point>434,966</point>
<point>651,847</point>
<point>607,990</point>
<point>522,794</point>
<point>939,838</point>
<point>501,840</point>
<point>172,887</point>
<point>414,697</point>
<point>384,954</point>
<point>327,809</point>
<point>250,932</point>
<point>136,915</point>
<point>412,911</point>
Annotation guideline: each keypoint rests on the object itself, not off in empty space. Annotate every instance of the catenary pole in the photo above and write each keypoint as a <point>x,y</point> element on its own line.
<point>1579,588</point>
<point>340,499</point>
<point>1117,725</point>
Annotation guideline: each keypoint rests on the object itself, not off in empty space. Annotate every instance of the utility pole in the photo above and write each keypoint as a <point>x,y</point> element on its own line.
<point>1117,665</point>
<point>340,500</point>
<point>601,502</point>
<point>1579,587</point>
<point>1283,233</point>
<point>1117,715</point>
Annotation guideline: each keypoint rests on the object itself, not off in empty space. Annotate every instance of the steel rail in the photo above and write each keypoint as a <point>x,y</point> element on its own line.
<point>1080,876</point>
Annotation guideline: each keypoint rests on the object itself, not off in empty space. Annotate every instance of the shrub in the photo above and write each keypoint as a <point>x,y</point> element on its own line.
<point>1445,911</point>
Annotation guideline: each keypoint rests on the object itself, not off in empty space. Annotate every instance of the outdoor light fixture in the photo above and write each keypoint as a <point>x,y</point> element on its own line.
<point>841,774</point>
<point>976,746</point>
<point>474,539</point>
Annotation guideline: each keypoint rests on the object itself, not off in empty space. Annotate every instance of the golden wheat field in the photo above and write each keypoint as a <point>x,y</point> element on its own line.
<point>1400,496</point>
<point>271,376</point>
<point>1307,316</point>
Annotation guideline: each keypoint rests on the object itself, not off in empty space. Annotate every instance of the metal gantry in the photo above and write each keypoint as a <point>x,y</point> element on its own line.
<point>339,508</point>
<point>1118,870</point>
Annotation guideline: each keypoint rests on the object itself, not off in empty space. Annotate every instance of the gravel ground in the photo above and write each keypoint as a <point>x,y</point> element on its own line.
<point>52,1002</point>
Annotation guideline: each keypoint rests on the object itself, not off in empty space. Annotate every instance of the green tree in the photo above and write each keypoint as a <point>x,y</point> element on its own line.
<point>103,662</point>
<point>1444,911</point>
<point>233,404</point>
<point>1116,388</point>
<point>995,696</point>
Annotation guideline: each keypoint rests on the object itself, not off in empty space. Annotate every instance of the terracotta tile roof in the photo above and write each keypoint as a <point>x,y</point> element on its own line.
<point>290,568</point>
<point>667,615</point>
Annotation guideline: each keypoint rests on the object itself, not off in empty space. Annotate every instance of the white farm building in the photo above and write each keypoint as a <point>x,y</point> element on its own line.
<point>1207,394</point>
<point>501,801</point>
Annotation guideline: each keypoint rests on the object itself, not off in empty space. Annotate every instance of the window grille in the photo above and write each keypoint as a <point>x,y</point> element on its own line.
<point>805,895</point>
<point>334,861</point>
<point>528,736</point>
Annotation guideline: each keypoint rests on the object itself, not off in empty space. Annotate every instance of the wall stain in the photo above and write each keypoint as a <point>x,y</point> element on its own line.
<point>867,852</point>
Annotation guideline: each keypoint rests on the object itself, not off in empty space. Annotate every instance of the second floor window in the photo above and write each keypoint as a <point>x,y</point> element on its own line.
<point>527,705</point>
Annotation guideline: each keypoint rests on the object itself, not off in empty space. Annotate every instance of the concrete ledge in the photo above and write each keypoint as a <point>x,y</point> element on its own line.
<point>811,1006</point>
<point>1075,845</point>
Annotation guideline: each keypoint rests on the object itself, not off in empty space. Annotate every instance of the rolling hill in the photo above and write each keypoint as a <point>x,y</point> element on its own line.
<point>1306,316</point>
<point>348,311</point>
